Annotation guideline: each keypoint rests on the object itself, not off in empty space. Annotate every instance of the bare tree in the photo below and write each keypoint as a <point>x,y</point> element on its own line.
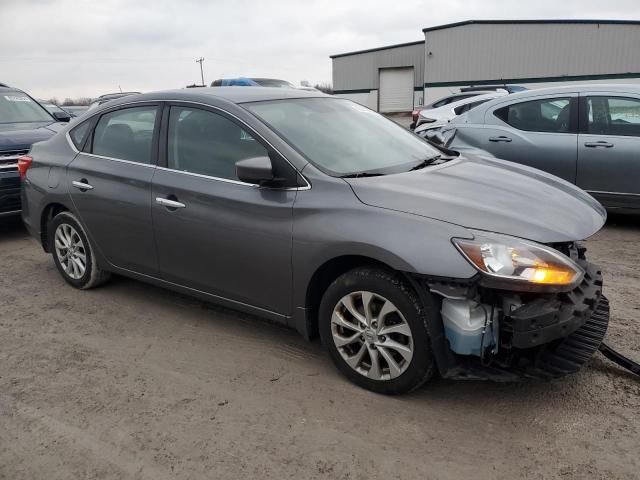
<point>81,101</point>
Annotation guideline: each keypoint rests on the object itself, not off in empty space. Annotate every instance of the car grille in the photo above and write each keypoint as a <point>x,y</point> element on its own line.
<point>9,159</point>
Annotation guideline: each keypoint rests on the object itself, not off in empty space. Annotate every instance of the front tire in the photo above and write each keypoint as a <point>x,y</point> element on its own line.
<point>72,252</point>
<point>375,329</point>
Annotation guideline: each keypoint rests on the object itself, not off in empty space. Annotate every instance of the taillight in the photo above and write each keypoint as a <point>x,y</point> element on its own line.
<point>24,162</point>
<point>414,115</point>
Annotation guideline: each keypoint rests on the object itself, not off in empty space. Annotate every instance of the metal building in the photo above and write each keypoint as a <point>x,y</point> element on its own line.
<point>532,53</point>
<point>387,79</point>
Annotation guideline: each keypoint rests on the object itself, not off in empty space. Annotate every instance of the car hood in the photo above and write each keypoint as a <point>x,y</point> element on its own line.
<point>20,136</point>
<point>488,194</point>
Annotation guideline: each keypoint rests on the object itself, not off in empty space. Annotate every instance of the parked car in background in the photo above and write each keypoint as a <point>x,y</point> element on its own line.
<point>436,118</point>
<point>102,99</point>
<point>321,214</point>
<point>441,102</point>
<point>307,88</point>
<point>251,82</point>
<point>484,88</point>
<point>588,135</point>
<point>52,108</point>
<point>23,121</point>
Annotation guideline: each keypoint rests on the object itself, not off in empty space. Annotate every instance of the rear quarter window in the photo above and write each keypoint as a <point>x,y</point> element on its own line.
<point>79,134</point>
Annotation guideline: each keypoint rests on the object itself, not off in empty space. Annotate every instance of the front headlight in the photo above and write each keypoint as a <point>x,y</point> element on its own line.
<point>512,259</point>
<point>427,119</point>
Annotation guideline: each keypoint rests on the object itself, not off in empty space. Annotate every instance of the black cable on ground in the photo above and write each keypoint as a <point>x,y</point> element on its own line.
<point>620,359</point>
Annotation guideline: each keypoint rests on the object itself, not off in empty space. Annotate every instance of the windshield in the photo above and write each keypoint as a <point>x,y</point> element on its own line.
<point>17,107</point>
<point>342,137</point>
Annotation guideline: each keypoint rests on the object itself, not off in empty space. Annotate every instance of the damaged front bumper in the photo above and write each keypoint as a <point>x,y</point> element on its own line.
<point>543,335</point>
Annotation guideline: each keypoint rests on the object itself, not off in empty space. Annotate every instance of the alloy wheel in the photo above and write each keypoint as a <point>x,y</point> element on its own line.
<point>71,251</point>
<point>372,335</point>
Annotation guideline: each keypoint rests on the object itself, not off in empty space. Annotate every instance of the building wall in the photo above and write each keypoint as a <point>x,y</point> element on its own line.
<point>370,99</point>
<point>359,72</point>
<point>532,53</point>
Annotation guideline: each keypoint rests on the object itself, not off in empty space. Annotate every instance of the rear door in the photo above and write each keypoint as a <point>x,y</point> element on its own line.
<point>540,132</point>
<point>215,233</point>
<point>609,148</point>
<point>110,185</point>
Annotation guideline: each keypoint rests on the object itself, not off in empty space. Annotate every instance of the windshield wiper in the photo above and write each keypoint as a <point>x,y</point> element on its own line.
<point>361,174</point>
<point>425,163</point>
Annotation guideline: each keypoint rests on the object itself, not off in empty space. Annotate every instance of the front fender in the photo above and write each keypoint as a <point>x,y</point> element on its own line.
<point>327,226</point>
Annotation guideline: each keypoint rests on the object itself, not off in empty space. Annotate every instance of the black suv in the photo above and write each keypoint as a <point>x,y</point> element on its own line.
<point>23,121</point>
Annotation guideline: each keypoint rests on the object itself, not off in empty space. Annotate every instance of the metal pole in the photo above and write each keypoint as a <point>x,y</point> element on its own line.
<point>200,60</point>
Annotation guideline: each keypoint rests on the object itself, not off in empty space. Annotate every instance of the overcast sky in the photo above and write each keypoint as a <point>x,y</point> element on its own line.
<point>72,48</point>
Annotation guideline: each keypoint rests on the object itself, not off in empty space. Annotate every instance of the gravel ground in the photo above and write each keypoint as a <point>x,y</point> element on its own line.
<point>131,381</point>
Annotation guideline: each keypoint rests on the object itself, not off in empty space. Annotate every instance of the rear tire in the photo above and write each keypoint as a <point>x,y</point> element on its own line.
<point>375,329</point>
<point>73,253</point>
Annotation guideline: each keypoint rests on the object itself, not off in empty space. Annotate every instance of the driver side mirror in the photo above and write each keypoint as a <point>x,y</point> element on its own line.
<point>257,170</point>
<point>61,116</point>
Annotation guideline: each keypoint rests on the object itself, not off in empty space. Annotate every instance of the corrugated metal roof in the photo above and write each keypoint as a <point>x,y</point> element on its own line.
<point>397,45</point>
<point>540,21</point>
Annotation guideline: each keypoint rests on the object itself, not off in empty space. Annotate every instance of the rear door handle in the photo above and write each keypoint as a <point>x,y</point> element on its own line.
<point>501,138</point>
<point>82,185</point>
<point>600,143</point>
<point>167,202</point>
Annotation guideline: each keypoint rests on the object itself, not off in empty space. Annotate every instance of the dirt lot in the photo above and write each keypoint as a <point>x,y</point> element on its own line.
<point>131,381</point>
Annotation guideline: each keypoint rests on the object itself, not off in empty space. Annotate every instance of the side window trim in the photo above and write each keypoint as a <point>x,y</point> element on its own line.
<point>88,143</point>
<point>272,152</point>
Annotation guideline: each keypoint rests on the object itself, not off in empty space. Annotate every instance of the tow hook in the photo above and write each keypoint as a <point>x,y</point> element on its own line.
<point>620,359</point>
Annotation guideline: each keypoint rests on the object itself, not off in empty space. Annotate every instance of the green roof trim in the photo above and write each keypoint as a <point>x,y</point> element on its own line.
<point>564,78</point>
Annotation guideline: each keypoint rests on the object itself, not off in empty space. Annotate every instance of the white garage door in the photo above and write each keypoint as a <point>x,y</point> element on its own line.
<point>396,89</point>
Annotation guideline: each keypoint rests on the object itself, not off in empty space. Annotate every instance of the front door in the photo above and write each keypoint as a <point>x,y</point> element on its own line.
<point>213,232</point>
<point>110,186</point>
<point>609,149</point>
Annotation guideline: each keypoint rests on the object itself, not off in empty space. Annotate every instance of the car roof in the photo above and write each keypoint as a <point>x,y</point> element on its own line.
<point>10,89</point>
<point>116,95</point>
<point>231,94</point>
<point>478,98</point>
<point>590,87</point>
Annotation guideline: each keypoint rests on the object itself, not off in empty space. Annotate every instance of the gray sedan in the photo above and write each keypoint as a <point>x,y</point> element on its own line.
<point>587,134</point>
<point>320,214</point>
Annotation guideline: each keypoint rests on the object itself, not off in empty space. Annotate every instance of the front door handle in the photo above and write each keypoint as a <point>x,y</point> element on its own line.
<point>600,143</point>
<point>171,204</point>
<point>82,185</point>
<point>501,138</point>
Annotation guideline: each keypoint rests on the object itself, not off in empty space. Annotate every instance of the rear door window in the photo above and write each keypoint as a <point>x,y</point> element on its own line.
<point>613,116</point>
<point>547,115</point>
<point>126,134</point>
